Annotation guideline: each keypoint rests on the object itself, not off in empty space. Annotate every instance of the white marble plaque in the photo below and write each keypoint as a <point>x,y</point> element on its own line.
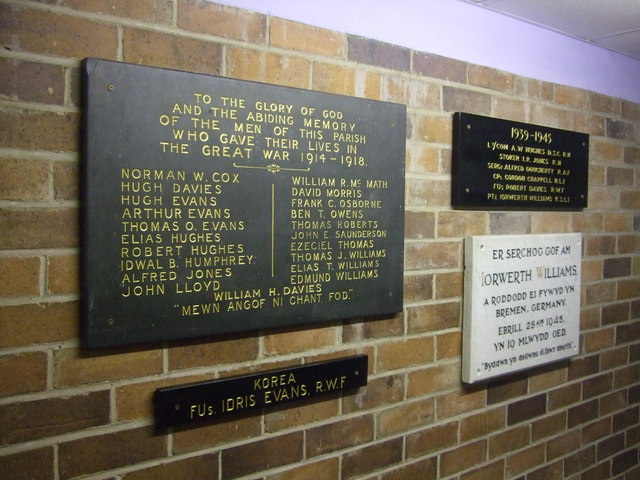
<point>521,302</point>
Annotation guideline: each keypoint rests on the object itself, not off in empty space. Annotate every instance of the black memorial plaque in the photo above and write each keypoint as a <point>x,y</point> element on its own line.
<point>214,205</point>
<point>503,164</point>
<point>214,400</point>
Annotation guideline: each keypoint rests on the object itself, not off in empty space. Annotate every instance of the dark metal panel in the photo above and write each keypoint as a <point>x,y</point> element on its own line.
<point>219,399</point>
<point>214,205</point>
<point>500,164</point>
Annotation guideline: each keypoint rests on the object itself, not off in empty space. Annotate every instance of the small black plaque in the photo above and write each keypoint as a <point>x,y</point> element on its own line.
<point>503,164</point>
<point>209,401</point>
<point>214,205</point>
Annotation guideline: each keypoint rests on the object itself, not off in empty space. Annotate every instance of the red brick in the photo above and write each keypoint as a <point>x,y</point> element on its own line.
<point>74,367</point>
<point>623,420</point>
<point>432,439</point>
<point>298,36</point>
<point>449,285</point>
<point>461,458</point>
<point>619,129</point>
<point>23,373</point>
<point>563,445</point>
<point>494,471</point>
<point>548,426</point>
<point>596,386</point>
<point>31,464</point>
<point>571,96</point>
<point>32,82</point>
<point>461,224</point>
<point>506,388</point>
<point>202,467</point>
<point>449,345</point>
<point>418,288</point>
<point>66,181</point>
<point>324,470</point>
<point>19,276</point>
<point>170,51</point>
<point>63,275</point>
<point>339,435</point>
<point>154,11</point>
<point>624,461</point>
<point>433,317</point>
<point>461,100</point>
<point>511,109</point>
<point>372,457</point>
<point>217,434</point>
<point>39,228</point>
<point>26,421</point>
<point>299,340</point>
<point>490,78</point>
<point>372,327</point>
<point>433,379</point>
<point>599,340</point>
<point>402,353</point>
<point>582,367</point>
<point>422,193</point>
<point>432,129</point>
<point>381,54</point>
<point>333,79</point>
<point>110,450</point>
<point>419,225</point>
<point>40,323</point>
<point>564,396</point>
<point>261,455</point>
<point>419,256</point>
<point>547,377</point>
<point>458,402</point>
<point>36,130</point>
<point>380,391</point>
<point>223,21</point>
<point>404,417</point>
<point>610,446</point>
<point>41,32</point>
<point>583,413</point>
<point>580,460</point>
<point>596,430</point>
<point>509,223</point>
<point>229,349</point>
<point>548,472</point>
<point>268,67</point>
<point>305,412</point>
<point>482,423</point>
<point>431,65</point>
<point>509,440</point>
<point>24,180</point>
<point>524,460</point>
<point>424,470</point>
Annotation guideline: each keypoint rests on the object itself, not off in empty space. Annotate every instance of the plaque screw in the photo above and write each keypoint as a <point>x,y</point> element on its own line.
<point>177,406</point>
<point>468,126</point>
<point>111,87</point>
<point>110,321</point>
<point>467,190</point>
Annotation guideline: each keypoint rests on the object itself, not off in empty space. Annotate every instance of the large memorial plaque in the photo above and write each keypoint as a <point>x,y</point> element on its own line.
<point>203,402</point>
<point>499,164</point>
<point>215,205</point>
<point>521,302</point>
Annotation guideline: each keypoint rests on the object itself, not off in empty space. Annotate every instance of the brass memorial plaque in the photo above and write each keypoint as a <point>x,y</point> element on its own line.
<point>500,164</point>
<point>213,205</point>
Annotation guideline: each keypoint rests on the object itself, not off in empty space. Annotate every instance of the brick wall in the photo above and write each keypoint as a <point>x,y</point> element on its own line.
<point>66,413</point>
